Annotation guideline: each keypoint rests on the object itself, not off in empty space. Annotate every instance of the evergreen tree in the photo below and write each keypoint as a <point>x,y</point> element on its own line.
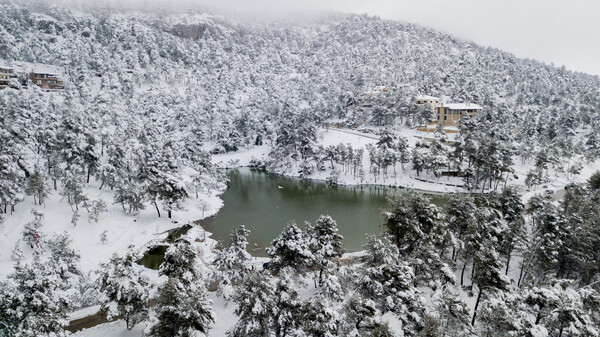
<point>290,249</point>
<point>287,305</point>
<point>73,188</point>
<point>231,263</point>
<point>255,307</point>
<point>318,319</point>
<point>325,243</point>
<point>32,302</point>
<point>360,315</point>
<point>390,287</point>
<point>487,274</point>
<point>182,310</point>
<point>594,181</point>
<point>32,234</point>
<point>180,262</point>
<point>124,289</point>
<point>37,187</point>
<point>412,221</point>
<point>453,314</point>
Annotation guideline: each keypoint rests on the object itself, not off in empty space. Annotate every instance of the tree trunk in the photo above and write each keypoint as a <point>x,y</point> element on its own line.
<point>538,317</point>
<point>476,305</point>
<point>462,273</point>
<point>507,261</point>
<point>521,275</point>
<point>169,214</point>
<point>157,210</point>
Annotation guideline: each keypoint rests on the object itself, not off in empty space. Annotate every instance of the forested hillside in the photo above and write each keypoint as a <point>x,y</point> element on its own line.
<point>149,97</point>
<point>238,82</point>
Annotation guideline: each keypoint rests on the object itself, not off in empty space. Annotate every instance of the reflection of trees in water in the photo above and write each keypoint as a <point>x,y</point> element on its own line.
<point>265,203</point>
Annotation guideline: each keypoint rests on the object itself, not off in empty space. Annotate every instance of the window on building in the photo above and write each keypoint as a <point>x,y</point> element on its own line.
<point>52,82</point>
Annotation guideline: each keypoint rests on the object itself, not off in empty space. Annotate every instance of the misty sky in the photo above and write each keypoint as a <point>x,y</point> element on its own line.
<point>565,32</point>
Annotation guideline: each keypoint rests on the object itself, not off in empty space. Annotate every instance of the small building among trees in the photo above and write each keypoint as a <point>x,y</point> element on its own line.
<point>6,73</point>
<point>449,114</point>
<point>47,77</point>
<point>421,100</point>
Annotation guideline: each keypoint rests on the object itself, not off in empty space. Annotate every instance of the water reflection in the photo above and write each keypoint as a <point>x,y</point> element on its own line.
<point>265,203</point>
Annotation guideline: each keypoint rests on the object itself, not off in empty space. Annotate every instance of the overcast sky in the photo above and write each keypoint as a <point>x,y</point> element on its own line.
<point>565,32</point>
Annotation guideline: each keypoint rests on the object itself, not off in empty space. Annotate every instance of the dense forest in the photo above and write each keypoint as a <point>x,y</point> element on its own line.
<point>150,97</point>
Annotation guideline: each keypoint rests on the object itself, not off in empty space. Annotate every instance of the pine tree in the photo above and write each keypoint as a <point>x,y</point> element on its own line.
<point>413,220</point>
<point>290,249</point>
<point>125,290</point>
<point>96,208</point>
<point>390,287</point>
<point>287,304</point>
<point>360,315</point>
<point>318,318</point>
<point>453,314</point>
<point>487,274</point>
<point>64,261</point>
<point>104,237</point>
<point>32,302</point>
<point>32,234</point>
<point>325,243</point>
<point>181,310</point>
<point>180,262</point>
<point>381,250</point>
<point>73,188</point>
<point>231,262</point>
<point>255,307</point>
<point>130,195</point>
<point>37,187</point>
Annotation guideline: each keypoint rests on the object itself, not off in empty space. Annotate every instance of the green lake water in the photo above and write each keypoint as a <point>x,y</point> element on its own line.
<point>266,203</point>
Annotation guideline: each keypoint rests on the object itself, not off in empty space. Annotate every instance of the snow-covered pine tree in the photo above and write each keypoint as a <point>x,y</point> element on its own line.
<point>319,318</point>
<point>104,237</point>
<point>487,274</point>
<point>453,314</point>
<point>32,234</point>
<point>360,316</point>
<point>73,187</point>
<point>286,320</point>
<point>124,289</point>
<point>32,302</point>
<point>231,263</point>
<point>256,308</point>
<point>37,187</point>
<point>325,243</point>
<point>290,249</point>
<point>181,262</point>
<point>64,264</point>
<point>182,310</point>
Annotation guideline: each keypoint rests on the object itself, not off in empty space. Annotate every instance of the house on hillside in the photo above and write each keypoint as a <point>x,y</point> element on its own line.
<point>45,80</point>
<point>424,99</point>
<point>6,73</point>
<point>450,113</point>
<point>45,76</point>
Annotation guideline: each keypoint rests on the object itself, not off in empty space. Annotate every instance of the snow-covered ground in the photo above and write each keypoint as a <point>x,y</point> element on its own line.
<point>405,178</point>
<point>124,231</point>
<point>127,231</point>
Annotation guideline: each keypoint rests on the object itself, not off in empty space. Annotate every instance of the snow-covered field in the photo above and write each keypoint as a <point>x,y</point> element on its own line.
<point>124,231</point>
